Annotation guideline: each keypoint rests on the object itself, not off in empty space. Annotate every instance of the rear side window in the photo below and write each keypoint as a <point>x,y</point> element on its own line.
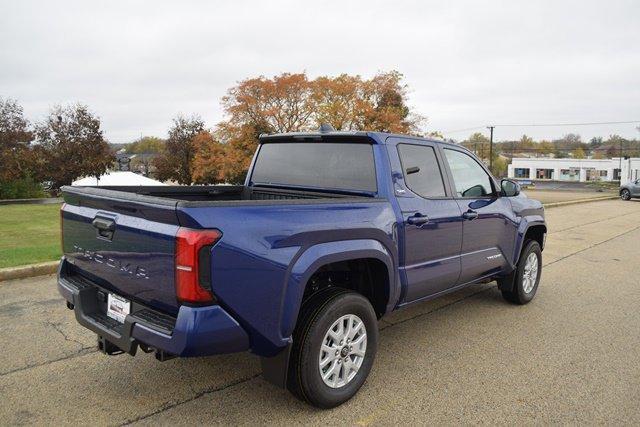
<point>421,170</point>
<point>341,166</point>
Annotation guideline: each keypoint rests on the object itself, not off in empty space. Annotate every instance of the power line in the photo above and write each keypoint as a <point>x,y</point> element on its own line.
<point>543,125</point>
<point>569,124</point>
<point>534,150</point>
<point>464,130</point>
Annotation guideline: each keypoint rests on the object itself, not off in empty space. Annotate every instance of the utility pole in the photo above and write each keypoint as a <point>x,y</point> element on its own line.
<point>491,148</point>
<point>620,155</point>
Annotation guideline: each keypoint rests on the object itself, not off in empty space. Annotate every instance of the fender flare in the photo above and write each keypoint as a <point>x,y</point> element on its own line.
<point>523,228</point>
<point>313,257</point>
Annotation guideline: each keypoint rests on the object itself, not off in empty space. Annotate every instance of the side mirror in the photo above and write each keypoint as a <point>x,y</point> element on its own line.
<point>509,188</point>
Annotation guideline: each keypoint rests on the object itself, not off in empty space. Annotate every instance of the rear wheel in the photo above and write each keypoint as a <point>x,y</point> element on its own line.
<point>625,194</point>
<point>520,287</point>
<point>334,346</point>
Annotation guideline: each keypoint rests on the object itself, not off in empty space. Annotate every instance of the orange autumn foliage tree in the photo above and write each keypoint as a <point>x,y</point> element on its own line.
<point>294,103</point>
<point>217,162</point>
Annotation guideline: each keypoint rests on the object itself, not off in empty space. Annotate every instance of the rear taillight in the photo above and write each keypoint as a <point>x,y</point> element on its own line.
<point>193,264</point>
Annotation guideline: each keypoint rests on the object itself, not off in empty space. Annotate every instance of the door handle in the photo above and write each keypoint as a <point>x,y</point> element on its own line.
<point>470,215</point>
<point>105,227</point>
<point>418,219</point>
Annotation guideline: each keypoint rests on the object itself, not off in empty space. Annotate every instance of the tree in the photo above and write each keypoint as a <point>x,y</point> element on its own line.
<point>293,103</point>
<point>71,145</point>
<point>478,143</point>
<point>477,137</point>
<point>385,108</point>
<point>15,138</point>
<point>435,134</point>
<point>500,166</point>
<point>145,150</point>
<point>578,153</point>
<point>176,158</point>
<point>211,157</point>
<point>567,143</point>
<point>146,144</point>
<point>596,142</point>
<point>339,101</point>
<point>570,140</point>
<point>18,161</point>
<point>616,146</point>
<point>526,142</point>
<point>560,154</point>
<point>546,147</point>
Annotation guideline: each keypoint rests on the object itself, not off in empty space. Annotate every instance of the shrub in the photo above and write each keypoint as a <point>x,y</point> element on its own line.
<point>23,188</point>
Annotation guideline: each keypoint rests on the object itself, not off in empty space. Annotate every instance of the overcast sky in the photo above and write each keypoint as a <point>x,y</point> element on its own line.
<point>468,64</point>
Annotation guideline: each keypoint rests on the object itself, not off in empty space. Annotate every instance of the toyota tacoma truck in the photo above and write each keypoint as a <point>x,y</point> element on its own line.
<point>330,232</point>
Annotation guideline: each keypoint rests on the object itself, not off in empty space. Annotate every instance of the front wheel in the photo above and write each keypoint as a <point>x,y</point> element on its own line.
<point>521,286</point>
<point>625,194</point>
<point>334,346</point>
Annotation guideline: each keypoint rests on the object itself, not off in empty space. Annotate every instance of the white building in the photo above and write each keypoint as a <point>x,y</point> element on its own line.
<point>580,170</point>
<point>117,178</point>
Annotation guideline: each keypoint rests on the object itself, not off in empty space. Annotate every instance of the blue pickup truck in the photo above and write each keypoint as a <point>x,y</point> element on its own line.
<point>331,231</point>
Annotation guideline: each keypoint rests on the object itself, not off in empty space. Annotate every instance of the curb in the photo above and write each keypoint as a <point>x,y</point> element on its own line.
<point>43,201</point>
<point>579,201</point>
<point>31,270</point>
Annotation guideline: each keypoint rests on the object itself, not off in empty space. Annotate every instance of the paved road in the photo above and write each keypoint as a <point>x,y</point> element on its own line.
<point>571,356</point>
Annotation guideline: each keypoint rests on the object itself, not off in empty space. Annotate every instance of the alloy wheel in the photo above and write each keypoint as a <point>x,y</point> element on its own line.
<point>343,350</point>
<point>530,275</point>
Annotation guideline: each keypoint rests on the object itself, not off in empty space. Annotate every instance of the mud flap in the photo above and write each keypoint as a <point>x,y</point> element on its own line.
<point>507,283</point>
<point>275,368</point>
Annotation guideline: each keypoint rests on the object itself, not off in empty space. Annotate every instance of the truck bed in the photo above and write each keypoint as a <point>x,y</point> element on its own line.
<point>206,193</point>
<point>124,237</point>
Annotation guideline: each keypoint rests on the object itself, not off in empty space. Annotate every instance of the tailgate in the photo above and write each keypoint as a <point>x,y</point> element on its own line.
<point>124,242</point>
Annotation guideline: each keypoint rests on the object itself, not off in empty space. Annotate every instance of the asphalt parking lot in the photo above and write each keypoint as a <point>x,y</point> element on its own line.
<point>571,356</point>
<point>555,196</point>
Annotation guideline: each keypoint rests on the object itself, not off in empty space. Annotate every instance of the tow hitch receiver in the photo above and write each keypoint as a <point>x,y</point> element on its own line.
<point>160,355</point>
<point>109,348</point>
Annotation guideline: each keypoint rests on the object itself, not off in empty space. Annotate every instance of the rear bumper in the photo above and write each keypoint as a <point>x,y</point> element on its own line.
<point>195,331</point>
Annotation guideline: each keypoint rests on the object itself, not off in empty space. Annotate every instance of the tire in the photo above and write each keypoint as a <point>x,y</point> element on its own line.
<point>317,316</point>
<point>625,194</point>
<point>520,287</point>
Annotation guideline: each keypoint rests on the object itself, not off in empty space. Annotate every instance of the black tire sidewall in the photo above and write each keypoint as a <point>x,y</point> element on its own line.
<point>625,195</point>
<point>315,391</point>
<point>523,297</point>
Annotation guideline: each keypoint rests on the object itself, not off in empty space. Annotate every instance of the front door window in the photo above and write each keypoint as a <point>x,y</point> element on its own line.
<point>470,178</point>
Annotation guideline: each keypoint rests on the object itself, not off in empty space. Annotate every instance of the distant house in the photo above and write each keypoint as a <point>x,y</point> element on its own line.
<point>123,160</point>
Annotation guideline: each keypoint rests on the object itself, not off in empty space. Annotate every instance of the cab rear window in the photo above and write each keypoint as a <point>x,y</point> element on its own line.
<point>326,165</point>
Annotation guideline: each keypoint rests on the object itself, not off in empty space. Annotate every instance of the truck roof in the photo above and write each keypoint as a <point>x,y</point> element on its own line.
<point>376,137</point>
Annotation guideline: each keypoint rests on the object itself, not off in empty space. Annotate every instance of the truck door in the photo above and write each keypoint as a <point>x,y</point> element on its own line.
<point>489,225</point>
<point>432,222</point>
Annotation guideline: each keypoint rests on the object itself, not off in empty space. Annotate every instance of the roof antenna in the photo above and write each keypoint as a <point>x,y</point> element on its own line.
<point>326,128</point>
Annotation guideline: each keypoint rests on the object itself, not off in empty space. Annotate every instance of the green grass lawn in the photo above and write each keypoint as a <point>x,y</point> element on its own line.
<point>29,234</point>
